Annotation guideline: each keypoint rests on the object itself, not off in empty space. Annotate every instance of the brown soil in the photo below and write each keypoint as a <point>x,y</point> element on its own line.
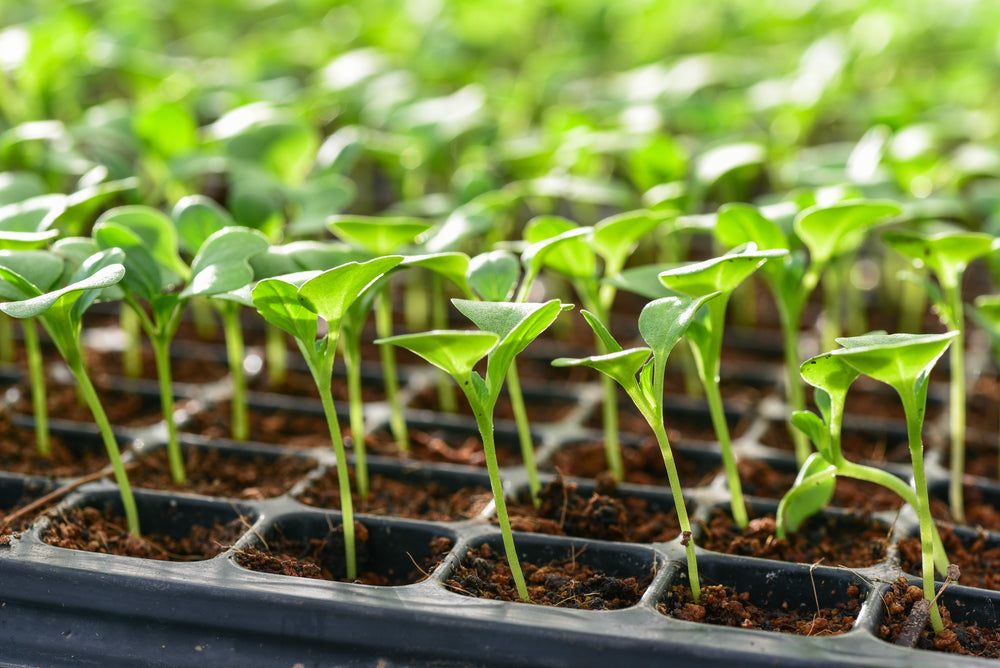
<point>853,541</point>
<point>979,511</point>
<point>182,369</point>
<point>283,427</point>
<point>681,422</point>
<point>128,409</point>
<point>323,559</point>
<point>18,454</point>
<point>643,464</point>
<point>439,446</point>
<point>860,446</point>
<point>602,515</point>
<point>215,473</point>
<point>978,559</point>
<point>302,384</point>
<point>426,500</point>
<point>984,406</point>
<point>723,606</point>
<point>956,638</point>
<point>95,530</point>
<point>565,583</point>
<point>538,406</point>
<point>761,479</point>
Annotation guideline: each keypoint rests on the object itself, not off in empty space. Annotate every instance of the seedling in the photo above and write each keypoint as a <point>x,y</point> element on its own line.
<point>60,311</point>
<point>573,252</point>
<point>904,361</point>
<point>640,372</point>
<point>814,486</point>
<point>148,239</point>
<point>948,254</point>
<point>986,313</point>
<point>292,303</point>
<point>828,233</point>
<point>719,275</point>
<point>379,237</point>
<point>506,328</point>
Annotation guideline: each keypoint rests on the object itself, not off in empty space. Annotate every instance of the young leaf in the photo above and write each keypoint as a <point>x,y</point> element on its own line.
<point>379,235</point>
<point>601,332</point>
<point>812,426</point>
<point>26,274</point>
<point>720,274</point>
<point>643,281</point>
<point>197,218</point>
<point>738,224</point>
<point>663,322</point>
<point>30,308</point>
<point>331,293</point>
<point>615,238</point>
<point>454,351</point>
<point>156,232</point>
<point>453,266</point>
<point>493,275</point>
<point>948,254</point>
<point>568,253</point>
<point>621,365</point>
<point>899,360</point>
<point>223,261</point>
<point>276,299</point>
<point>814,487</point>
<point>829,231</point>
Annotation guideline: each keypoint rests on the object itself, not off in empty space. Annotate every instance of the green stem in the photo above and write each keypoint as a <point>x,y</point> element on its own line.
<point>795,395</point>
<point>87,391</point>
<point>36,376</point>
<point>161,354</point>
<point>6,338</point>
<point>276,353</point>
<point>718,414</point>
<point>132,352</point>
<point>956,495</point>
<point>323,383</point>
<point>914,423</point>
<point>612,443</point>
<point>352,361</point>
<point>682,516</point>
<point>447,401</point>
<point>234,350</point>
<point>832,308</point>
<point>523,432</point>
<point>383,328</point>
<point>496,484</point>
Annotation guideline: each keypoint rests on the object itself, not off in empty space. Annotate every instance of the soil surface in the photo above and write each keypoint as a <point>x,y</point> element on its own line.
<point>977,557</point>
<point>441,446</point>
<point>323,559</point>
<point>722,606</point>
<point>565,583</point>
<point>217,473</point>
<point>643,463</point>
<point>425,500</point>
<point>980,510</point>
<point>956,638</point>
<point>853,541</point>
<point>18,453</point>
<point>539,407</point>
<point>128,409</point>
<point>603,515</point>
<point>281,427</point>
<point>761,479</point>
<point>100,530</point>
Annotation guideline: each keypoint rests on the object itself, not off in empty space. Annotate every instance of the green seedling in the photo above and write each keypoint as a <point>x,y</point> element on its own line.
<point>293,303</point>
<point>60,311</point>
<point>640,372</point>
<point>904,361</point>
<point>833,234</point>
<point>720,275</point>
<point>815,484</point>
<point>381,236</point>
<point>452,266</point>
<point>947,255</point>
<point>506,328</point>
<point>828,233</point>
<point>205,229</point>
<point>577,253</point>
<point>148,239</point>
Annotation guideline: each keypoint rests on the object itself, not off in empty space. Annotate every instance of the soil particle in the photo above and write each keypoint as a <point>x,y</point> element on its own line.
<point>604,515</point>
<point>565,583</point>
<point>978,558</point>
<point>426,500</point>
<point>956,638</point>
<point>442,447</point>
<point>723,606</point>
<point>643,464</point>
<point>215,473</point>
<point>100,530</point>
<point>853,540</point>
<point>322,558</point>
<point>18,454</point>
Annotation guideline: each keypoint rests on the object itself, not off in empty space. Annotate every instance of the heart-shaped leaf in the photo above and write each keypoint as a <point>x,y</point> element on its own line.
<point>223,261</point>
<point>453,266</point>
<point>276,299</point>
<point>948,254</point>
<point>456,352</point>
<point>29,273</point>
<point>331,293</point>
<point>739,224</point>
<point>663,322</point>
<point>903,361</point>
<point>828,231</point>
<point>721,274</point>
<point>493,275</point>
<point>156,232</point>
<point>36,306</point>
<point>196,218</point>
<point>379,235</point>
<point>569,254</point>
<point>616,237</point>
